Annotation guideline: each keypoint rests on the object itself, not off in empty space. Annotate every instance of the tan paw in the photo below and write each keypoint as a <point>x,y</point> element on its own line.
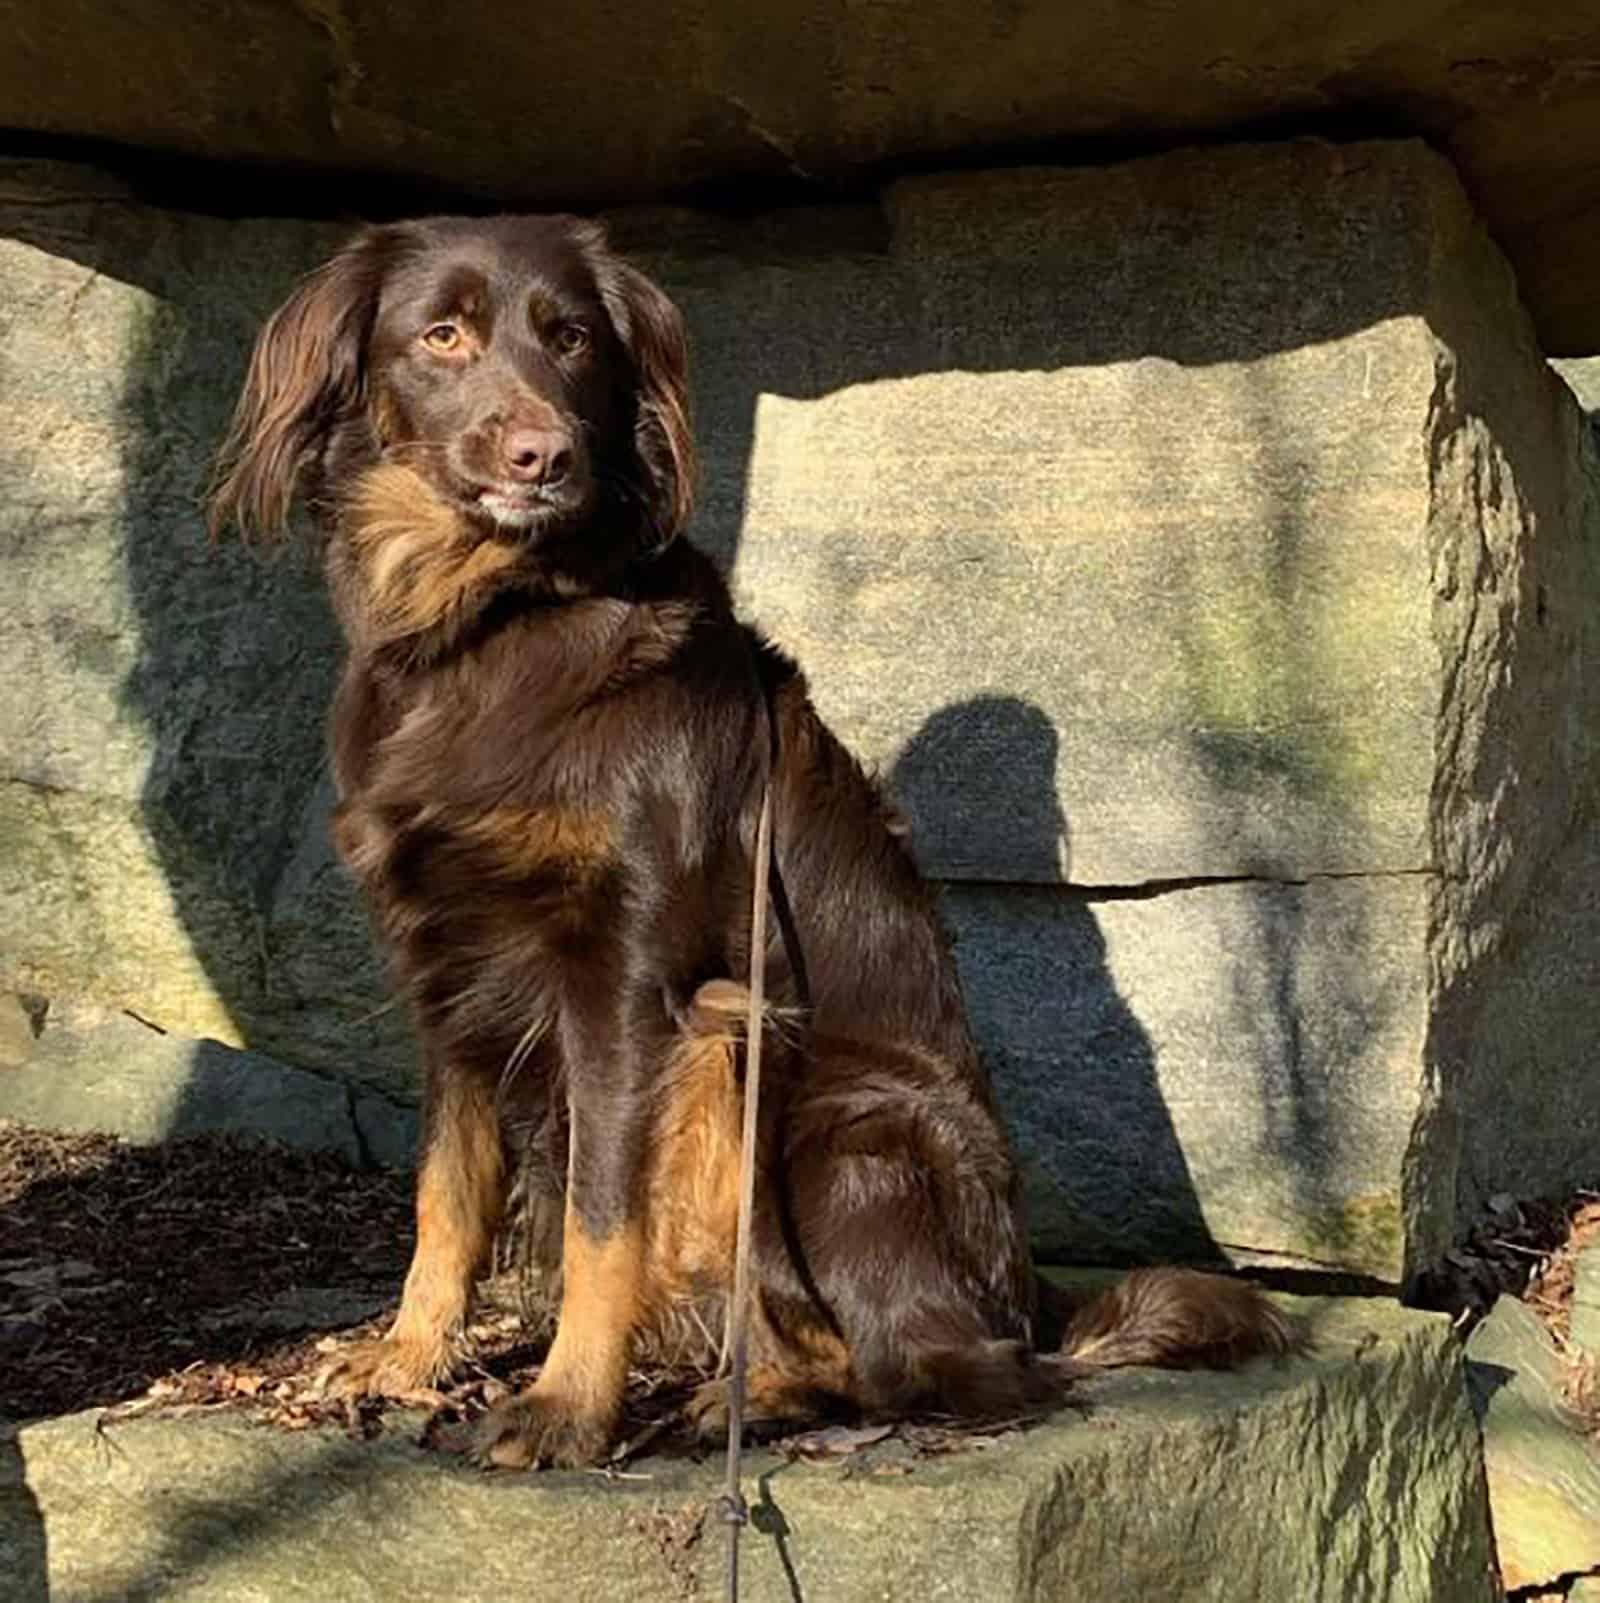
<point>707,1410</point>
<point>769,1407</point>
<point>386,1368</point>
<point>530,1431</point>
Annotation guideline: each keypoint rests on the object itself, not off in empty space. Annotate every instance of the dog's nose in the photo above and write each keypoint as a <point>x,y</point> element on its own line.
<point>535,455</point>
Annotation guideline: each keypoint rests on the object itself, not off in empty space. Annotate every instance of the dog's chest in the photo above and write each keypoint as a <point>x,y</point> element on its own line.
<point>484,825</point>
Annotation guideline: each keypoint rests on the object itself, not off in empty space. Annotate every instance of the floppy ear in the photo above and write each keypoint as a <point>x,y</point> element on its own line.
<point>304,375</point>
<point>651,328</point>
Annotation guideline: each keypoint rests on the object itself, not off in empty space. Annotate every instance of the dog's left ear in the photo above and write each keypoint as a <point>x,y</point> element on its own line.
<point>651,328</point>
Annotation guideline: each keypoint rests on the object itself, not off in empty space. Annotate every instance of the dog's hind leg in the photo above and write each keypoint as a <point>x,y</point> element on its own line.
<point>900,1204</point>
<point>892,1267</point>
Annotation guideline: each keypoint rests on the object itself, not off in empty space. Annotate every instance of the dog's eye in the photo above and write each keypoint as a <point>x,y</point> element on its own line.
<point>570,338</point>
<point>442,337</point>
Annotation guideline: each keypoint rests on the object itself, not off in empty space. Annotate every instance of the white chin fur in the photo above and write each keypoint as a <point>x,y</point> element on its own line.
<point>511,514</point>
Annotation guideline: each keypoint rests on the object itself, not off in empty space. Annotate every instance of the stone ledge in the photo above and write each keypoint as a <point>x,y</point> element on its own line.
<point>1351,1475</point>
<point>1543,1473</point>
<point>117,1075</point>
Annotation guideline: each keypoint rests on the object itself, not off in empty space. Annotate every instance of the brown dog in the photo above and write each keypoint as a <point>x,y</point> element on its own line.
<point>550,744</point>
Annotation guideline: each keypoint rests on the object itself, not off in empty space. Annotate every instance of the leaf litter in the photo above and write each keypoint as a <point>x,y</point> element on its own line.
<point>1529,1249</point>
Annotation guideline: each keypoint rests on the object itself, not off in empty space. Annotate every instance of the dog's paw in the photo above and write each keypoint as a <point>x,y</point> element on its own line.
<point>768,1410</point>
<point>530,1431</point>
<point>386,1368</point>
<point>706,1411</point>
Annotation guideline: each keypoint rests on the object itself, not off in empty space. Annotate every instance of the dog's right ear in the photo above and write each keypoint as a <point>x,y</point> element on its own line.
<point>305,374</point>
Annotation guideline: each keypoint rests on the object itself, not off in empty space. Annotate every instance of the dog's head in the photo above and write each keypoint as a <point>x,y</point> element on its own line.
<point>528,375</point>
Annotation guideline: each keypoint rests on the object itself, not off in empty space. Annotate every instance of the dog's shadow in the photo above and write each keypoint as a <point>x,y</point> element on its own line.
<point>1075,1071</point>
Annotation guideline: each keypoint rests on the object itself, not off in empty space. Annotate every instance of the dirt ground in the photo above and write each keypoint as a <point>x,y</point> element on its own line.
<point>123,1266</point>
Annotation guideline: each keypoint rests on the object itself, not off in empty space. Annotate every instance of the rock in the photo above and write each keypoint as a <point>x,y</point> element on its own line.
<point>1582,375</point>
<point>1586,1589</point>
<point>135,1082</point>
<point>1586,1300</point>
<point>803,94</point>
<point>1208,1071</point>
<point>1171,1485</point>
<point>163,744</point>
<point>1216,597</point>
<point>1164,531</point>
<point>320,1308</point>
<point>16,1031</point>
<point>1544,1476</point>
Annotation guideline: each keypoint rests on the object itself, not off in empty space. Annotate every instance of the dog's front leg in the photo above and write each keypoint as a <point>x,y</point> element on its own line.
<point>461,1189</point>
<point>569,1414</point>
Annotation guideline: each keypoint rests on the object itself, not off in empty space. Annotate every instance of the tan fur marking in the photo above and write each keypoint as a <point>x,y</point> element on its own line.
<point>789,1386</point>
<point>460,1197</point>
<point>526,840</point>
<point>692,1217</point>
<point>385,419</point>
<point>601,1281</point>
<point>393,500</point>
<point>424,568</point>
<point>692,1205</point>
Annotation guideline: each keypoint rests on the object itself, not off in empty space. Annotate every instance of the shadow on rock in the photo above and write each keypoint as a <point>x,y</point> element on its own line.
<point>1075,1071</point>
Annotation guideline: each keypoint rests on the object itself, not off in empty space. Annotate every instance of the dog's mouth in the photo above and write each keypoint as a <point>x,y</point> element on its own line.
<point>526,506</point>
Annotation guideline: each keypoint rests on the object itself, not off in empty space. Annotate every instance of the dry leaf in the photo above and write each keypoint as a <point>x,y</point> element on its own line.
<point>836,1441</point>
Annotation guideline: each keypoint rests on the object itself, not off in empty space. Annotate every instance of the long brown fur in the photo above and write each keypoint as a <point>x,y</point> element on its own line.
<point>550,742</point>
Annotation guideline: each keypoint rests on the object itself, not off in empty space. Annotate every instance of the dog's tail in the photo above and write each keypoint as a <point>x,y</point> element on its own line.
<point>1174,1319</point>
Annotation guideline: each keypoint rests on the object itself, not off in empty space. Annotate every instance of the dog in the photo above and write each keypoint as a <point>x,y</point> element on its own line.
<point>550,744</point>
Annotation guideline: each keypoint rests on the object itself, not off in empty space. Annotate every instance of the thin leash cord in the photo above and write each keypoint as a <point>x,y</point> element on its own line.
<point>734,1510</point>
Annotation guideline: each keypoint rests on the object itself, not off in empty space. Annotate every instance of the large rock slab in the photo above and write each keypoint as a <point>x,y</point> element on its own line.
<point>1226,1069</point>
<point>797,94</point>
<point>1171,1486</point>
<point>124,1078</point>
<point>162,717</point>
<point>1250,601</point>
<point>1202,546</point>
<point>1092,644</point>
<point>1543,1472</point>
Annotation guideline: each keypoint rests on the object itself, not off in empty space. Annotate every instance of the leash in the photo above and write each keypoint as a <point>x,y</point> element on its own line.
<point>735,1512</point>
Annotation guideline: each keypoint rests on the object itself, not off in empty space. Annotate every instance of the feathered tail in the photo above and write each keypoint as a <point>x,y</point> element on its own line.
<point>1176,1319</point>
